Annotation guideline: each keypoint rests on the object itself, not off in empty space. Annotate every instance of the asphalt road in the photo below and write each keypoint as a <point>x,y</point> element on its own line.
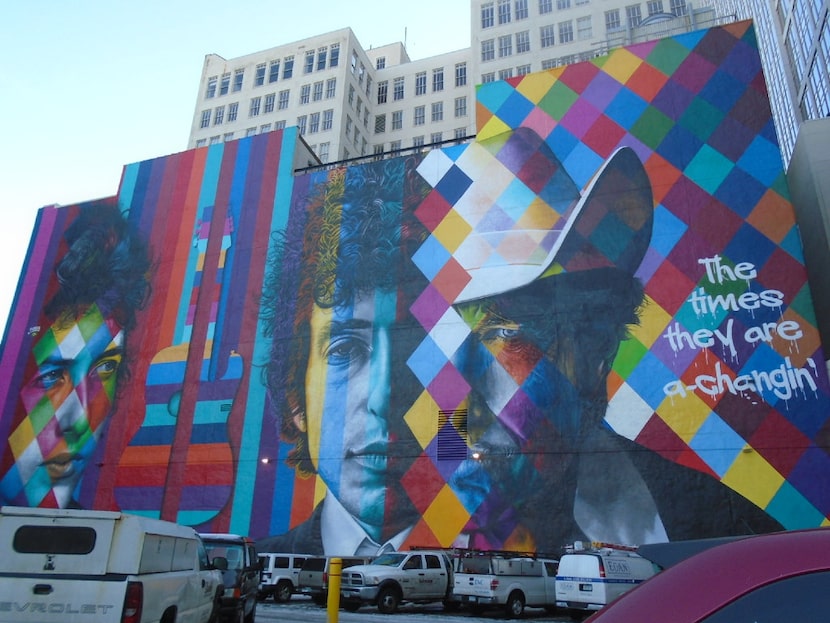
<point>303,610</point>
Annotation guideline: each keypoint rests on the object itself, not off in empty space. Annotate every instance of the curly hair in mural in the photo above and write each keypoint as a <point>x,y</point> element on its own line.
<point>335,305</point>
<point>78,358</point>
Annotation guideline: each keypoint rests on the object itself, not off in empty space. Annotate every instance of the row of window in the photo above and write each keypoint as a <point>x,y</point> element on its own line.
<point>505,11</point>
<point>254,110</point>
<point>634,14</point>
<point>326,58</point>
<point>419,115</point>
<point>420,86</point>
<point>504,46</point>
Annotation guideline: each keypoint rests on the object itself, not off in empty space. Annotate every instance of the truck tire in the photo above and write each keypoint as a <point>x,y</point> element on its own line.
<point>388,599</point>
<point>283,591</point>
<point>249,618</point>
<point>515,605</point>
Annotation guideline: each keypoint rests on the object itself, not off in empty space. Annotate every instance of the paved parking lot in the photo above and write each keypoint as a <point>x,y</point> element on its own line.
<point>303,610</point>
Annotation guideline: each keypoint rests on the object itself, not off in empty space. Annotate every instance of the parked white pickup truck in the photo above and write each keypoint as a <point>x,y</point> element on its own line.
<point>418,576</point>
<point>68,566</point>
<point>487,580</point>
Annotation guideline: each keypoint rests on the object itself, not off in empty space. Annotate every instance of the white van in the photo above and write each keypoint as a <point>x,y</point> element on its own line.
<point>590,579</point>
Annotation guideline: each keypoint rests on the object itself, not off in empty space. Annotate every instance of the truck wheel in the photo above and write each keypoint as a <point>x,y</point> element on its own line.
<point>515,605</point>
<point>388,600</point>
<point>283,591</point>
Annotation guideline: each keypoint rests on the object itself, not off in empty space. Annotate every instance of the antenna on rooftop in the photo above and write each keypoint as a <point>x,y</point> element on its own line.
<point>404,37</point>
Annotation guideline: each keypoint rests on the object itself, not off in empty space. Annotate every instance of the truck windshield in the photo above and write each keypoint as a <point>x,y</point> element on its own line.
<point>389,560</point>
<point>232,552</point>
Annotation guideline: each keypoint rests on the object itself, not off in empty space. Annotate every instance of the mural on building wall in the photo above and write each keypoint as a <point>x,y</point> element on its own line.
<point>591,323</point>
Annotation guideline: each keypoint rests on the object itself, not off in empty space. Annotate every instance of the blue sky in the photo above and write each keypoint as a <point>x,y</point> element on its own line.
<point>91,85</point>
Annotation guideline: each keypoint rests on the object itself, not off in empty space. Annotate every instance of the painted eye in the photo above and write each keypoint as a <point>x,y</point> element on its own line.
<point>344,350</point>
<point>50,379</point>
<point>106,367</point>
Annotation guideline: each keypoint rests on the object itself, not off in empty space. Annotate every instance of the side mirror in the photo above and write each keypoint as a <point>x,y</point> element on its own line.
<point>221,563</point>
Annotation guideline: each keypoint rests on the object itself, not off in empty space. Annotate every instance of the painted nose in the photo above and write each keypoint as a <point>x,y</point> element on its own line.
<point>380,378</point>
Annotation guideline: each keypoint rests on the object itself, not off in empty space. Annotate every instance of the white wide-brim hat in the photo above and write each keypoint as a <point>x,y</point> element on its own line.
<point>515,214</point>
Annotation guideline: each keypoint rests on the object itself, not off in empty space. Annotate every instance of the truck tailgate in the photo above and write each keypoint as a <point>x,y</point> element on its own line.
<point>40,598</point>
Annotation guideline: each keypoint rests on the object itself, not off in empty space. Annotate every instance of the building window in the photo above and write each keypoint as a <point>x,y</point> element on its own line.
<point>270,99</point>
<point>266,127</point>
<point>334,57</point>
<point>348,125</point>
<point>419,117</point>
<point>505,46</point>
<point>287,67</point>
<point>438,79</point>
<point>654,7</point>
<point>545,6</point>
<point>314,123</point>
<point>488,50</point>
<point>214,140</point>
<point>523,42</point>
<point>461,106</point>
<point>259,77</point>
<point>211,86</point>
<point>351,95</point>
<point>397,120</point>
<point>584,29</point>
<point>308,66</point>
<point>380,62</point>
<point>522,70</point>
<point>302,120</point>
<point>323,153</point>
<point>633,15</point>
<point>678,7</point>
<point>201,142</point>
<point>420,83</point>
<point>461,74</point>
<point>359,106</point>
<point>487,15</point>
<point>521,9</point>
<point>383,87</point>
<point>563,4</point>
<point>273,71</point>
<point>436,137</point>
<point>612,20</point>
<point>282,100</point>
<point>322,53</point>
<point>361,74</point>
<point>566,32</point>
<point>397,89</point>
<point>547,36</point>
<point>488,77</point>
<point>253,111</point>
<point>331,88</point>
<point>380,124</point>
<point>504,74</point>
<point>279,125</point>
<point>233,110</point>
<point>395,146</point>
<point>205,121</point>
<point>417,141</point>
<point>305,93</point>
<point>328,117</point>
<point>437,111</point>
<point>368,86</point>
<point>459,133</point>
<point>549,63</point>
<point>504,11</point>
<point>238,76</point>
<point>318,91</point>
<point>225,85</point>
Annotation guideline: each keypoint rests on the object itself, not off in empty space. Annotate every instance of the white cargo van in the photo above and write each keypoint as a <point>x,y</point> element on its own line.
<point>67,566</point>
<point>591,578</point>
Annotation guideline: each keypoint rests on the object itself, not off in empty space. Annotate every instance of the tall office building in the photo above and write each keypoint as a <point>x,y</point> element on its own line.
<point>794,40</point>
<point>350,102</point>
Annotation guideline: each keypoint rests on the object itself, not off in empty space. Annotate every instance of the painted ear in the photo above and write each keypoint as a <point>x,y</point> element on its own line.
<point>612,228</point>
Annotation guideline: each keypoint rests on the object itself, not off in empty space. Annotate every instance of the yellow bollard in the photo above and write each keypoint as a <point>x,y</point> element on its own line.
<point>333,602</point>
